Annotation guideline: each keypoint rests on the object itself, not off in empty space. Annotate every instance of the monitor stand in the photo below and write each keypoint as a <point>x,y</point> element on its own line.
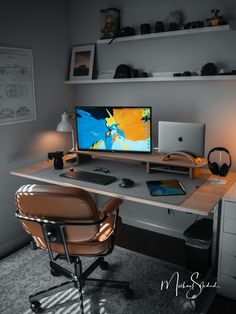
<point>180,164</point>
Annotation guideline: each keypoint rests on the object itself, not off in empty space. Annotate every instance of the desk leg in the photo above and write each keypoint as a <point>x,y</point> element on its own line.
<point>216,238</point>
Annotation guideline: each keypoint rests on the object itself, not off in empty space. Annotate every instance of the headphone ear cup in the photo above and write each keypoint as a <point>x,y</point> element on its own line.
<point>214,168</point>
<point>224,169</point>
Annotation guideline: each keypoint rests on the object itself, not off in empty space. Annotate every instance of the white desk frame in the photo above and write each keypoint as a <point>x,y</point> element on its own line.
<point>205,200</point>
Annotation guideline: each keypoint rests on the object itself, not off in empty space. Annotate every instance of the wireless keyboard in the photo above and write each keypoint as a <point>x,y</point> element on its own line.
<point>91,177</point>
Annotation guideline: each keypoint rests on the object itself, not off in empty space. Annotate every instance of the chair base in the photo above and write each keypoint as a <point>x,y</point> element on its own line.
<point>78,280</point>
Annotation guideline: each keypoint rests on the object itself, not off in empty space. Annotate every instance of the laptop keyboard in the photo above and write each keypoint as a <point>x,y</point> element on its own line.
<point>91,177</point>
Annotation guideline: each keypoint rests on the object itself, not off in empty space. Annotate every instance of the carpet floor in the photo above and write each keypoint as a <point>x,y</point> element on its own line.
<point>27,272</point>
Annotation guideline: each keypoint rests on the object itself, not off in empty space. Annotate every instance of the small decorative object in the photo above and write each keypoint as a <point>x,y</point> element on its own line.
<point>123,71</point>
<point>127,31</point>
<point>194,24</point>
<point>173,26</point>
<point>177,74</point>
<point>209,69</point>
<point>216,20</point>
<point>175,20</point>
<point>82,59</point>
<point>187,73</point>
<point>224,72</point>
<point>159,27</point>
<point>135,73</point>
<point>162,74</point>
<point>106,74</point>
<point>145,29</point>
<point>57,157</point>
<point>110,21</point>
<point>143,74</point>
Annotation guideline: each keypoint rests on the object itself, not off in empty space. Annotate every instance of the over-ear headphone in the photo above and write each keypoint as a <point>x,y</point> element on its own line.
<point>216,169</point>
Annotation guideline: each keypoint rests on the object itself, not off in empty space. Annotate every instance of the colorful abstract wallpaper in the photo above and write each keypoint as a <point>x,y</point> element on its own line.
<point>114,128</point>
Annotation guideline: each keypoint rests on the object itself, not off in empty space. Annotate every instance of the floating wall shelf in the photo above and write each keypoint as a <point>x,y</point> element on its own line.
<point>157,79</point>
<point>167,34</point>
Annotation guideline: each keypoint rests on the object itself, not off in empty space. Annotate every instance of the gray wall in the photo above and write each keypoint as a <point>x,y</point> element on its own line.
<point>210,102</point>
<point>43,27</point>
<point>49,29</point>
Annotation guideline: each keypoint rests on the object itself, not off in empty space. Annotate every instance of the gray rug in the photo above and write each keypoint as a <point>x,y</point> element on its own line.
<point>27,272</point>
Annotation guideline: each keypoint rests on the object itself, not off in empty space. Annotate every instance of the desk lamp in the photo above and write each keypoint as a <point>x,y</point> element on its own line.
<point>66,126</point>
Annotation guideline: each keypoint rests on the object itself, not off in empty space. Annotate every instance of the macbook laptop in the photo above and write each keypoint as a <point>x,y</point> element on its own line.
<point>181,136</point>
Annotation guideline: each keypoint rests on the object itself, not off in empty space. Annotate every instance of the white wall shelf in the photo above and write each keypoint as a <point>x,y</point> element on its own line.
<point>156,79</point>
<point>167,34</point>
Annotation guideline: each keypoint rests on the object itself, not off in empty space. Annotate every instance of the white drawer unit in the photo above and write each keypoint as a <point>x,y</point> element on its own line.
<point>227,248</point>
<point>228,243</point>
<point>230,209</point>
<point>227,286</point>
<point>230,225</point>
<point>228,265</point>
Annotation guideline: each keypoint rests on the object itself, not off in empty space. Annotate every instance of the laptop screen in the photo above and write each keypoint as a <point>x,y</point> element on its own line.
<point>181,136</point>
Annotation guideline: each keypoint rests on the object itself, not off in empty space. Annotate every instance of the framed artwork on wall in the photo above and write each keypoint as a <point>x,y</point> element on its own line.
<point>82,58</point>
<point>17,97</point>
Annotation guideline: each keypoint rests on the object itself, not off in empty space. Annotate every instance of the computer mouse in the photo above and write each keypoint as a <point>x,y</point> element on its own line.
<point>126,183</point>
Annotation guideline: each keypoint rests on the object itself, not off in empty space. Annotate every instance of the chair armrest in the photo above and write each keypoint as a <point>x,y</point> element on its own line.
<point>111,205</point>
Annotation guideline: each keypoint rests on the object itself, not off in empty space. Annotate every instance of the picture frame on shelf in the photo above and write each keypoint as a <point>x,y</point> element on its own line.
<point>82,60</point>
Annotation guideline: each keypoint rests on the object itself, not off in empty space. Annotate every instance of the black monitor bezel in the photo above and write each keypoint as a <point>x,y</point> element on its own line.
<point>114,151</point>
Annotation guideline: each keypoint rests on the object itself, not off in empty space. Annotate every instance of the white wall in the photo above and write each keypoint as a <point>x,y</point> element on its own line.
<point>43,27</point>
<point>213,103</point>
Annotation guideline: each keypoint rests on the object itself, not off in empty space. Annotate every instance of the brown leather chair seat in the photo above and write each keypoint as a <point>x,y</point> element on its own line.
<point>66,222</point>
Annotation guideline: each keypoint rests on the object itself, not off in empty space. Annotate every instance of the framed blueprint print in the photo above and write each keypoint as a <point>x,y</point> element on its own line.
<point>17,98</point>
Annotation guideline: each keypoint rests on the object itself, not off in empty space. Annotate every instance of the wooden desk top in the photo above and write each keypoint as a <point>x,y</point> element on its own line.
<point>201,201</point>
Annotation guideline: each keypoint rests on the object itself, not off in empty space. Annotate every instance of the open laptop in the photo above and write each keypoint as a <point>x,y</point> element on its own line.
<point>181,136</point>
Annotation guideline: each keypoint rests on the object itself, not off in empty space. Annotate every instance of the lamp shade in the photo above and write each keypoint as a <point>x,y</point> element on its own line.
<point>64,125</point>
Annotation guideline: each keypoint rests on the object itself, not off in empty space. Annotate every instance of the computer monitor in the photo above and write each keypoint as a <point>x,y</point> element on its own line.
<point>114,129</point>
<point>181,136</point>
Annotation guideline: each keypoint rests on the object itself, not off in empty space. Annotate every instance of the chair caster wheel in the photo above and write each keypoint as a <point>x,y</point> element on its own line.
<point>104,265</point>
<point>54,273</point>
<point>35,306</point>
<point>129,293</point>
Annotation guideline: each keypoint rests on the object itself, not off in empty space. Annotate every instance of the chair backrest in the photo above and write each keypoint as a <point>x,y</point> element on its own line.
<point>54,202</point>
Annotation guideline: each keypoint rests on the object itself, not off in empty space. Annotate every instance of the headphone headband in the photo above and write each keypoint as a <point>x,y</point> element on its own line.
<point>220,149</point>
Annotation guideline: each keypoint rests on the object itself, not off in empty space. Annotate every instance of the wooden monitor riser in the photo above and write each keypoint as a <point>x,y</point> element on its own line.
<point>173,160</point>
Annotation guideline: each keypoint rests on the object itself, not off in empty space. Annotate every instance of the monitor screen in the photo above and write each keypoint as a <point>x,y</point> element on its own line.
<point>114,129</point>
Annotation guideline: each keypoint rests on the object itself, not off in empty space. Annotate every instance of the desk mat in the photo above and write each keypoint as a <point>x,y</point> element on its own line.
<point>190,185</point>
<point>134,171</point>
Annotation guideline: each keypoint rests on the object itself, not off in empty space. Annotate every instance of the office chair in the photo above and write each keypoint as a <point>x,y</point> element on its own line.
<point>65,221</point>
